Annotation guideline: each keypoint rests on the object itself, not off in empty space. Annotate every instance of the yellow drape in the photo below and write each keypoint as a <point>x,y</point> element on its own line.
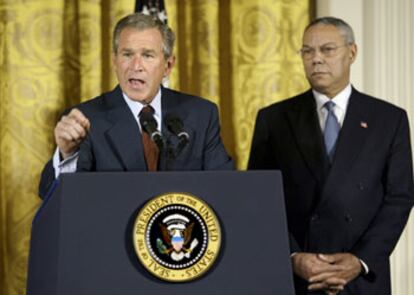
<point>241,54</point>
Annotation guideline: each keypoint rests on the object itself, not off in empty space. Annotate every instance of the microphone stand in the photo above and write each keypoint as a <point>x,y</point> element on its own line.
<point>169,155</point>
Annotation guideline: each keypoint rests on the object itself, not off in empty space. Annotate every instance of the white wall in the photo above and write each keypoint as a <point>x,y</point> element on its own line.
<point>351,12</point>
<point>384,32</point>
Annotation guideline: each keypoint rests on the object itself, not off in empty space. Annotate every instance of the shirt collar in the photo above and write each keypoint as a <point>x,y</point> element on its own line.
<point>137,106</point>
<point>341,99</point>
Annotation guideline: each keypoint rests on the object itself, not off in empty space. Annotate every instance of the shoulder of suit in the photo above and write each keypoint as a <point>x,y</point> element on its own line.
<point>375,104</point>
<point>289,103</point>
<point>102,102</point>
<point>182,97</point>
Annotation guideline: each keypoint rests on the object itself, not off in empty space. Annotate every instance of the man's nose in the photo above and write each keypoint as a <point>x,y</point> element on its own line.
<point>137,63</point>
<point>317,57</point>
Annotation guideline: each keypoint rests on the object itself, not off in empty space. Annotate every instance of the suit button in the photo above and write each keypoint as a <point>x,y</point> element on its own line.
<point>314,217</point>
<point>361,186</point>
<point>348,218</point>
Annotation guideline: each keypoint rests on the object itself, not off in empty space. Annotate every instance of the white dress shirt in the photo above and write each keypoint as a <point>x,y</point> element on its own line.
<point>341,104</point>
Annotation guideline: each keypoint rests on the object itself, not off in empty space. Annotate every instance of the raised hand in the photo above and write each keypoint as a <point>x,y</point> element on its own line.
<point>70,131</point>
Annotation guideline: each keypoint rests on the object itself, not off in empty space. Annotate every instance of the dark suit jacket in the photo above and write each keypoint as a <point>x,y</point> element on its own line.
<point>360,203</point>
<point>114,142</point>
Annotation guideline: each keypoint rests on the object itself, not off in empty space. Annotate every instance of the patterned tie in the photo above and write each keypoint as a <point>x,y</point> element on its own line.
<point>151,151</point>
<point>331,130</point>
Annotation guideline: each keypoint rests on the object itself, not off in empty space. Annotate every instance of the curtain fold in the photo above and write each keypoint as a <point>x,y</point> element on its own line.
<point>240,54</point>
<point>53,54</point>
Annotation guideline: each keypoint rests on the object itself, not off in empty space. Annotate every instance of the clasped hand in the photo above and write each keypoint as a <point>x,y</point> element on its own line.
<point>328,272</point>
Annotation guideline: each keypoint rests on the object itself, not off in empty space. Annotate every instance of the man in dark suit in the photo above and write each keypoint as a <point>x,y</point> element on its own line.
<point>347,170</point>
<point>104,134</point>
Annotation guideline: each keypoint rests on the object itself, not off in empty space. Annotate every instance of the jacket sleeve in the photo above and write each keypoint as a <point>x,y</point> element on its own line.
<point>262,157</point>
<point>47,177</point>
<point>379,240</point>
<point>261,154</point>
<point>215,155</point>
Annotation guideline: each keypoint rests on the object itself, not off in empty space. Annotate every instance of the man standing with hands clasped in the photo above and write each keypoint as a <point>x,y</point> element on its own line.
<point>109,132</point>
<point>346,163</point>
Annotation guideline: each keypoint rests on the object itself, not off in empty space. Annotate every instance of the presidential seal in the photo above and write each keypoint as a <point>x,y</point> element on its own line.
<point>177,237</point>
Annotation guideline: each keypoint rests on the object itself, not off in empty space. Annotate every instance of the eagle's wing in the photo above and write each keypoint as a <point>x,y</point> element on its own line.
<point>165,234</point>
<point>187,233</point>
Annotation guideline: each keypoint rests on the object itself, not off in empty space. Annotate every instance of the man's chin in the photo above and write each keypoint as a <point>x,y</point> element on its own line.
<point>138,96</point>
<point>144,100</point>
<point>319,85</point>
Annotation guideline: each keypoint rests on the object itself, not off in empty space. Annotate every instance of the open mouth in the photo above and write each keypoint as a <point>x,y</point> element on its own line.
<point>136,83</point>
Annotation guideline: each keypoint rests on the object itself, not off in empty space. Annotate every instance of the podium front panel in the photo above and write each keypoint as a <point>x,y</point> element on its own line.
<point>82,237</point>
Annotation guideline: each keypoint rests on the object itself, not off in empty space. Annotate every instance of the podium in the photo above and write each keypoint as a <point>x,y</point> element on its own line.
<point>82,234</point>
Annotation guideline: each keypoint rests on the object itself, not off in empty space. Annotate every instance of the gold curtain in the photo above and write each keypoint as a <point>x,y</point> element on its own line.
<point>240,54</point>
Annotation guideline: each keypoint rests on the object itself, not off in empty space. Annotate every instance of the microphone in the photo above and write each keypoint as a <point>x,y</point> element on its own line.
<point>149,125</point>
<point>175,126</point>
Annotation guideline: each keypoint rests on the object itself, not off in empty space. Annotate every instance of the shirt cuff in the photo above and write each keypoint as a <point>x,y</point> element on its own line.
<point>68,165</point>
<point>365,267</point>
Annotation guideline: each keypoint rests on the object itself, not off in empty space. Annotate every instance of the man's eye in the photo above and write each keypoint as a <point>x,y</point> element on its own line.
<point>307,52</point>
<point>127,54</point>
<point>328,49</point>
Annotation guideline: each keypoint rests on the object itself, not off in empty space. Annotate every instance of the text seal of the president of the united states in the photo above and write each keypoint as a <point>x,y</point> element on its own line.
<point>177,237</point>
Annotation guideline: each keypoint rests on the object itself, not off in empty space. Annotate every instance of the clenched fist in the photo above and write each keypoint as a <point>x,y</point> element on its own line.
<point>70,131</point>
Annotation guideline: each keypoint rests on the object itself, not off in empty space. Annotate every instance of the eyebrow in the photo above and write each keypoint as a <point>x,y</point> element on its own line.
<point>149,50</point>
<point>325,44</point>
<point>142,50</point>
<point>126,50</point>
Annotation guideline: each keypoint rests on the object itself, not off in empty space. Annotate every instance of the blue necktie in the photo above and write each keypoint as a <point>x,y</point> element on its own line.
<point>331,130</point>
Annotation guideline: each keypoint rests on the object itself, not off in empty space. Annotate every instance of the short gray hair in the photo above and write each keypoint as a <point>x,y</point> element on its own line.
<point>341,25</point>
<point>142,22</point>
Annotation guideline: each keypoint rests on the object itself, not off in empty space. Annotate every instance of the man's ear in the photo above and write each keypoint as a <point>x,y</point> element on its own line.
<point>170,62</point>
<point>353,52</point>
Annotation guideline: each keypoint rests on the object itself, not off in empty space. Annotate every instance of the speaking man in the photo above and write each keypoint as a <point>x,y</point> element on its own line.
<point>140,125</point>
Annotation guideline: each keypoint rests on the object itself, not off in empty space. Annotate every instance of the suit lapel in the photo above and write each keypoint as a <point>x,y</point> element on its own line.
<point>124,135</point>
<point>305,126</point>
<point>352,137</point>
